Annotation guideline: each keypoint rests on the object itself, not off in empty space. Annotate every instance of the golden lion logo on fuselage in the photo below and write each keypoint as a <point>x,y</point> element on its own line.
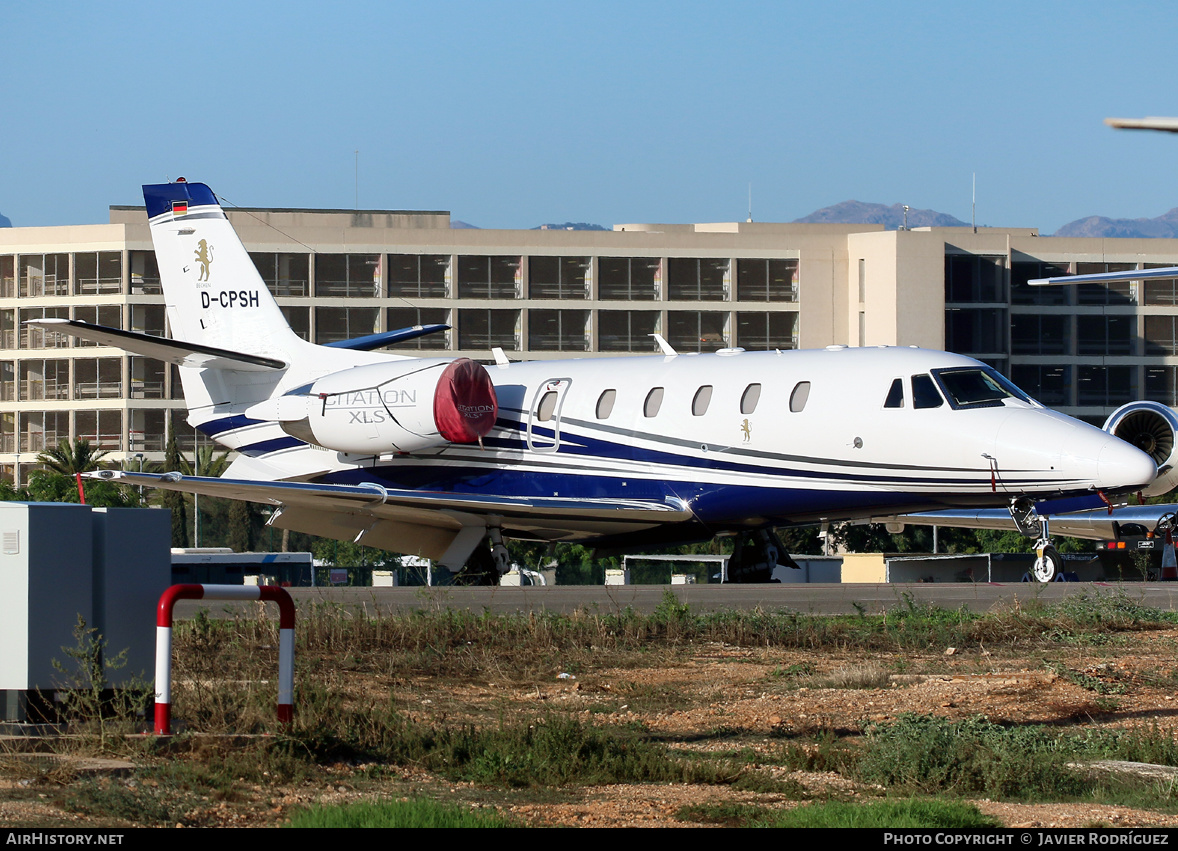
<point>204,256</point>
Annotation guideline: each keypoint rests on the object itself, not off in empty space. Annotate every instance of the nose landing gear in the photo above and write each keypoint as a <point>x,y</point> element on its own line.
<point>1048,562</point>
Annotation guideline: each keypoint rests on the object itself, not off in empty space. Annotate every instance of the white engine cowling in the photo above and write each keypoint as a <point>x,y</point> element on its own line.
<point>1152,428</point>
<point>400,406</point>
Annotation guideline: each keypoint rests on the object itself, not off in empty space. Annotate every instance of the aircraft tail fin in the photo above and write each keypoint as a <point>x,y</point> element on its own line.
<point>214,294</point>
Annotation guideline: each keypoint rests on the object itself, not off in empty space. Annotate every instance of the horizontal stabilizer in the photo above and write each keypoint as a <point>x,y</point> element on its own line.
<point>386,338</point>
<point>172,351</point>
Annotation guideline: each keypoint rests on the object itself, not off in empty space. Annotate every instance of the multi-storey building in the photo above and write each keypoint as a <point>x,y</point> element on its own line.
<point>556,293</point>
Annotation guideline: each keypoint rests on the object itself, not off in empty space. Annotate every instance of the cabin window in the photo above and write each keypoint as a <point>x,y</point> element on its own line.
<point>752,395</point>
<point>924,393</point>
<point>547,406</point>
<point>895,395</point>
<point>654,401</point>
<point>797,399</point>
<point>703,398</point>
<point>605,404</point>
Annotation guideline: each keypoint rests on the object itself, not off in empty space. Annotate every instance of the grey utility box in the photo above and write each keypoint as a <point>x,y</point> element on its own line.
<point>59,561</point>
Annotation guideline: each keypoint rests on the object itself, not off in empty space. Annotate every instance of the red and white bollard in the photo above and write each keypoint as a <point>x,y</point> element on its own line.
<point>163,642</point>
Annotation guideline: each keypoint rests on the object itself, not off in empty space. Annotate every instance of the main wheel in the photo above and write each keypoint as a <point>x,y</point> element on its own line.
<point>1048,565</point>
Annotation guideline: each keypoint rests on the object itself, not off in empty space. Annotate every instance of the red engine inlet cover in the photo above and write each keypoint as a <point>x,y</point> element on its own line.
<point>465,406</point>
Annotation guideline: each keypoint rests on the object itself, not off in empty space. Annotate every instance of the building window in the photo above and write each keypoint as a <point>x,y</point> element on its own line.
<point>7,382</point>
<point>44,274</point>
<point>1106,386</point>
<point>558,330</point>
<point>558,277</point>
<point>975,331</point>
<point>148,431</point>
<point>348,275</point>
<point>1051,385</point>
<point>487,329</point>
<point>419,275</point>
<point>489,277</point>
<point>44,379</point>
<point>1161,385</point>
<point>973,279</point>
<point>1022,293</point>
<point>284,274</point>
<point>147,319</point>
<point>1105,335</point>
<point>408,317</point>
<point>765,331</point>
<point>629,278</point>
<point>104,429</point>
<point>698,279</point>
<point>40,430</point>
<point>145,274</point>
<point>8,334</point>
<point>345,323</point>
<point>1040,334</point>
<point>697,330</point>
<point>627,330</point>
<point>7,276</point>
<point>98,378</point>
<point>766,280</point>
<point>1123,292</point>
<point>98,272</point>
<point>1161,335</point>
<point>1162,291</point>
<point>39,338</point>
<point>147,378</point>
<point>298,318</point>
<point>107,315</point>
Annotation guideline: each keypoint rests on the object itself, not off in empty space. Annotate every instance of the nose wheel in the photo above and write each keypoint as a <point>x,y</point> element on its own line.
<point>1048,563</point>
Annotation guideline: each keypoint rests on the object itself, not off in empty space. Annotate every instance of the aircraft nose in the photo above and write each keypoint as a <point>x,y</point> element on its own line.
<point>1122,466</point>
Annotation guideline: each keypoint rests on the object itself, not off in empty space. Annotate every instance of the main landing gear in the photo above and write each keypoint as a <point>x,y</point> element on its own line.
<point>486,565</point>
<point>755,555</point>
<point>1048,562</point>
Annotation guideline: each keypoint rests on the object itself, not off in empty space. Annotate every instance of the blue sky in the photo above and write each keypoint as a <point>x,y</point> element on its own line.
<point>513,114</point>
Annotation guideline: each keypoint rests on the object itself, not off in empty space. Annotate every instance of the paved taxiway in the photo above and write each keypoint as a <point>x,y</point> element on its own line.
<point>810,599</point>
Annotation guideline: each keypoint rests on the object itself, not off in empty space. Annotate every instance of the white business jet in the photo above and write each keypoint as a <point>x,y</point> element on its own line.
<point>435,456</point>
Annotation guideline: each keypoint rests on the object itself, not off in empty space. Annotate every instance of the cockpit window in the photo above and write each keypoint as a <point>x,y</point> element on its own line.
<point>895,395</point>
<point>924,393</point>
<point>977,387</point>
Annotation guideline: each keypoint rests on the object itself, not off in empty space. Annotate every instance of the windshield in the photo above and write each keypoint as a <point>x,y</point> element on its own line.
<point>977,387</point>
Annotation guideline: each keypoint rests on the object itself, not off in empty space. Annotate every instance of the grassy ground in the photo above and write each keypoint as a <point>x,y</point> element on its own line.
<point>534,715</point>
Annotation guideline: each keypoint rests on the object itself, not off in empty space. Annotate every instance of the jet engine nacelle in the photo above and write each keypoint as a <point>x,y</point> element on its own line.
<point>1152,428</point>
<point>400,406</point>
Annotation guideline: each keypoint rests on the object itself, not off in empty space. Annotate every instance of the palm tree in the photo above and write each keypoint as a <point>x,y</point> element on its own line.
<point>68,459</point>
<point>57,480</point>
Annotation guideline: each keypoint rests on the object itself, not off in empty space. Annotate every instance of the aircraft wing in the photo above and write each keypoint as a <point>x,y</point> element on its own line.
<point>429,523</point>
<point>1096,524</point>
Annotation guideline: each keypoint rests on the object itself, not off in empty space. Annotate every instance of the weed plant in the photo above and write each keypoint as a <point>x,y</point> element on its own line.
<point>929,755</point>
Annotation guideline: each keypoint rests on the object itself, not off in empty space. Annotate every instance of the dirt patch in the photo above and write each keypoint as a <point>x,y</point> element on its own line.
<point>704,698</point>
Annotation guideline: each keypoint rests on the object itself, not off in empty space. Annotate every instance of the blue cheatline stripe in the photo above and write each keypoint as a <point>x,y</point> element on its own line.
<point>214,427</point>
<point>267,446</point>
<point>719,460</point>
